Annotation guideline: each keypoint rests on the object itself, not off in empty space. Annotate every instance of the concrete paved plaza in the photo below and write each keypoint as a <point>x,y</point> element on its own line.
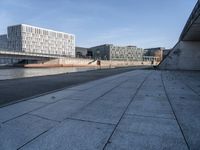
<point>136,110</point>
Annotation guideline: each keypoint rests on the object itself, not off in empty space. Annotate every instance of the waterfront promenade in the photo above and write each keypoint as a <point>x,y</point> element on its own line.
<point>13,90</point>
<point>136,110</point>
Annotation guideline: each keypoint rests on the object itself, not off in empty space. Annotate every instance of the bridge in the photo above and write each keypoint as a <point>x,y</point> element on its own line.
<point>186,53</point>
<point>27,55</point>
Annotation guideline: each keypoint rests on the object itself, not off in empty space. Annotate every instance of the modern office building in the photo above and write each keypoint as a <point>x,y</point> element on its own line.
<point>81,52</point>
<point>155,52</point>
<point>3,41</point>
<point>112,52</point>
<point>166,52</point>
<point>26,38</point>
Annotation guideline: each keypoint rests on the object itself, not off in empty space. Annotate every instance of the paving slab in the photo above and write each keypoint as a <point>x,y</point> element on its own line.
<point>60,110</point>
<point>136,141</point>
<point>186,106</point>
<point>102,112</point>
<point>151,106</point>
<point>110,107</point>
<point>150,103</point>
<point>136,132</point>
<point>190,78</point>
<point>73,135</point>
<point>150,125</point>
<point>188,115</point>
<point>18,109</point>
<point>91,94</point>
<point>95,115</point>
<point>21,130</point>
<point>101,82</point>
<point>54,97</point>
<point>151,91</point>
<point>98,90</point>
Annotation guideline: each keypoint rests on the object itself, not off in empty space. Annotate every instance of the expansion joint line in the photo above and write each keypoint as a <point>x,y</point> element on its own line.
<point>141,84</point>
<point>33,139</point>
<point>93,101</point>
<point>176,118</point>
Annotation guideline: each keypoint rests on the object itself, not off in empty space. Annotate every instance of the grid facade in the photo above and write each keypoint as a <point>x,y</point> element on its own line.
<point>112,52</point>
<point>3,41</point>
<point>32,39</point>
<point>126,53</point>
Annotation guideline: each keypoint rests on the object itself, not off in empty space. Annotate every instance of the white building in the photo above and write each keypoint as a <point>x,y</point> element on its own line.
<point>26,38</point>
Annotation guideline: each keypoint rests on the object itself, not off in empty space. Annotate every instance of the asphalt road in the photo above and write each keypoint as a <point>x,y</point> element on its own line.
<point>17,89</point>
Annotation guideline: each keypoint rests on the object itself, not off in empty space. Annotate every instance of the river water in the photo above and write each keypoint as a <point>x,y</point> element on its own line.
<point>13,73</point>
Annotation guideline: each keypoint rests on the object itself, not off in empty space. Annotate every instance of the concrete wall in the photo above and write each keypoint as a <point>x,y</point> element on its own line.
<point>116,63</point>
<point>184,56</point>
<point>70,62</point>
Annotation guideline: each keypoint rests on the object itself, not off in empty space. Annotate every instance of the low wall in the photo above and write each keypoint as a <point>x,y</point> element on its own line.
<point>184,56</point>
<point>78,62</point>
<point>125,63</point>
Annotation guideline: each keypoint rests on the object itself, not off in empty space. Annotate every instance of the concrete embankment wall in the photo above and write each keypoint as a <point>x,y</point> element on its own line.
<point>184,56</point>
<point>78,62</point>
<point>63,62</point>
<point>125,63</point>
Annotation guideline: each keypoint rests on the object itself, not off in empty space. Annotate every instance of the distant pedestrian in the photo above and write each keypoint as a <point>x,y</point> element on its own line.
<point>99,63</point>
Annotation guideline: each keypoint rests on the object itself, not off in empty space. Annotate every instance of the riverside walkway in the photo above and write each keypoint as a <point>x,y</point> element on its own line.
<point>136,110</point>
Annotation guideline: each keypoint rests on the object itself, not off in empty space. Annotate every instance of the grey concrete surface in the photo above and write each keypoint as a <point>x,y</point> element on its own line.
<point>89,136</point>
<point>186,104</point>
<point>138,132</point>
<point>141,109</point>
<point>19,131</point>
<point>18,109</point>
<point>60,110</point>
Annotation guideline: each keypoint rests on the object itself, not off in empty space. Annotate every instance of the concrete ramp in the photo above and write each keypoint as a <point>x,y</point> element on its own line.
<point>186,53</point>
<point>184,56</point>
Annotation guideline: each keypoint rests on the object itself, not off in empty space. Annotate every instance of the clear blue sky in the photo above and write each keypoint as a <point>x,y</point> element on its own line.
<point>144,23</point>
